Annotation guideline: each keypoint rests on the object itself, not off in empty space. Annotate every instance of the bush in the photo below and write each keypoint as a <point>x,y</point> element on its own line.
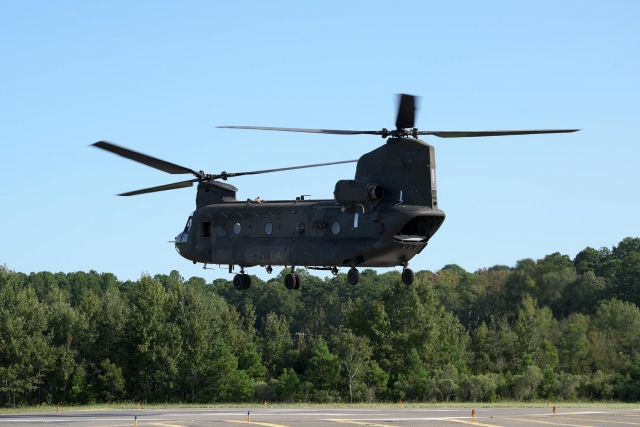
<point>525,385</point>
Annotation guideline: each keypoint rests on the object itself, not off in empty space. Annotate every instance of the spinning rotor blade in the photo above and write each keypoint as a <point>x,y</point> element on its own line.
<point>330,131</point>
<point>412,132</point>
<point>405,126</point>
<point>470,134</point>
<point>287,169</point>
<point>406,112</point>
<point>144,159</point>
<point>182,184</point>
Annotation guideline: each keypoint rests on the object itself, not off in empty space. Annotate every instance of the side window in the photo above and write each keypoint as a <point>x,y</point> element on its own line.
<point>205,229</point>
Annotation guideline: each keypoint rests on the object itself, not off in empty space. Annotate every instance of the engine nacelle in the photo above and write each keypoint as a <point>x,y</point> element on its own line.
<point>352,194</point>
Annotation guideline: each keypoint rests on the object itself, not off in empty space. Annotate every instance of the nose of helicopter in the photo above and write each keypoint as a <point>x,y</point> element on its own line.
<point>180,242</point>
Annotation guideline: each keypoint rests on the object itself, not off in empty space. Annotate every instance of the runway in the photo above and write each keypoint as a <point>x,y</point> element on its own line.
<point>336,417</point>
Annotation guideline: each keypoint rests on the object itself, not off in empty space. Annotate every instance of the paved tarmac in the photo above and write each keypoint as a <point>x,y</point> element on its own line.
<point>336,417</point>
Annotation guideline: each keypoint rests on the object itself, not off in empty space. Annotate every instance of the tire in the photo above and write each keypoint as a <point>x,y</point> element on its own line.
<point>298,284</point>
<point>247,282</point>
<point>353,276</point>
<point>290,281</point>
<point>407,276</point>
<point>238,282</point>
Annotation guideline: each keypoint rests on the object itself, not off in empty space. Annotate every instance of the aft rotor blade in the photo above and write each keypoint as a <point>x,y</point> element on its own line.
<point>329,131</point>
<point>182,184</point>
<point>144,159</point>
<point>287,169</point>
<point>471,134</point>
<point>406,112</point>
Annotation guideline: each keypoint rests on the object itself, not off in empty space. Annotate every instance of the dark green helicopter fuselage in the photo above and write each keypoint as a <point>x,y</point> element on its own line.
<point>382,218</point>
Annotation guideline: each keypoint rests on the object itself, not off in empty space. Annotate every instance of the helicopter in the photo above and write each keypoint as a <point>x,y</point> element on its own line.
<point>383,217</point>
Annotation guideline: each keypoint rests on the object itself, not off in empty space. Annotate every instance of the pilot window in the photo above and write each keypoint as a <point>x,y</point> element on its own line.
<point>188,226</point>
<point>205,229</point>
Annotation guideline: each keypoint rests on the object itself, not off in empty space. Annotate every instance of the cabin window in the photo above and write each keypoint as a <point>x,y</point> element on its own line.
<point>237,228</point>
<point>300,228</point>
<point>268,228</point>
<point>205,229</point>
<point>335,228</point>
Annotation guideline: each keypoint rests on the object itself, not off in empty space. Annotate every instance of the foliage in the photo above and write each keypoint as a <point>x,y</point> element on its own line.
<point>549,328</point>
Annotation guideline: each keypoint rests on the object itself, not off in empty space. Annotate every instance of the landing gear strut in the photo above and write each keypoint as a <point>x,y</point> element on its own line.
<point>407,275</point>
<point>292,280</point>
<point>242,281</point>
<point>353,276</point>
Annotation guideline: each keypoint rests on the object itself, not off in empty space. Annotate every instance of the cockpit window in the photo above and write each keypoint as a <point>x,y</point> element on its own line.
<point>188,226</point>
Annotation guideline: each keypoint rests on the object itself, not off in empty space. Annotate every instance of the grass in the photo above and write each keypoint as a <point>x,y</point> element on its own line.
<point>470,405</point>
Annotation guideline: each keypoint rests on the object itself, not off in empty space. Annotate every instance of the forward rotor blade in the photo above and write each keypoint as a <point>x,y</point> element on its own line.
<point>144,159</point>
<point>330,131</point>
<point>182,184</point>
<point>287,169</point>
<point>406,112</point>
<point>470,134</point>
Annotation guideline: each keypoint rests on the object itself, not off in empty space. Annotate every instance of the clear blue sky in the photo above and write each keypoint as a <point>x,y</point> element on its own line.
<point>159,77</point>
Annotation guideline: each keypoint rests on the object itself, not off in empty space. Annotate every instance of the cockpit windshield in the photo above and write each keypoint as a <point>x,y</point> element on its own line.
<point>188,226</point>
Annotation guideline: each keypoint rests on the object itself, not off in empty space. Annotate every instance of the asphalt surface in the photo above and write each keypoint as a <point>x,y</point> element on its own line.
<point>336,417</point>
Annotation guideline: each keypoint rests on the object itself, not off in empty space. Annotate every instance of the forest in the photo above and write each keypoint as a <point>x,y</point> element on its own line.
<point>556,327</point>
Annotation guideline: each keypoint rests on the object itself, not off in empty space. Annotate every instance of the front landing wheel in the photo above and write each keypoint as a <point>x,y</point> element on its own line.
<point>408,276</point>
<point>353,276</point>
<point>238,282</point>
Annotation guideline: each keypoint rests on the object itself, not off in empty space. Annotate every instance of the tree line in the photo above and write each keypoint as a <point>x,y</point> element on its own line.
<point>556,328</point>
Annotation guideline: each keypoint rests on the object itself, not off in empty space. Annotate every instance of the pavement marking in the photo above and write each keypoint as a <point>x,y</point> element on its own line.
<point>545,422</point>
<point>606,421</point>
<point>362,423</point>
<point>475,423</point>
<point>256,422</point>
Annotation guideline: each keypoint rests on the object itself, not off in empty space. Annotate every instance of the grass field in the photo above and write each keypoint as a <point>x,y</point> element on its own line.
<point>503,404</point>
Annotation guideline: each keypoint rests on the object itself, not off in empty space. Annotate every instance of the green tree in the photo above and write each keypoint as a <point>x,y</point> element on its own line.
<point>26,355</point>
<point>573,345</point>
<point>155,341</point>
<point>353,354</point>
<point>323,369</point>
<point>275,342</point>
<point>111,383</point>
<point>288,384</point>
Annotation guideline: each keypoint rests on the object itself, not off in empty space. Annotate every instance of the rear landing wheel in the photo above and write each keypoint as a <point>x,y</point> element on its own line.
<point>408,276</point>
<point>247,282</point>
<point>238,282</point>
<point>353,276</point>
<point>298,284</point>
<point>290,281</point>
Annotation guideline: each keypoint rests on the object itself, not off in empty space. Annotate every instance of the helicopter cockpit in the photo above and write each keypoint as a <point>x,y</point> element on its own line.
<point>181,239</point>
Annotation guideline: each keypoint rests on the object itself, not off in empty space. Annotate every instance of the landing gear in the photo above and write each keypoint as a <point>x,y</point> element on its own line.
<point>292,280</point>
<point>242,281</point>
<point>407,276</point>
<point>353,276</point>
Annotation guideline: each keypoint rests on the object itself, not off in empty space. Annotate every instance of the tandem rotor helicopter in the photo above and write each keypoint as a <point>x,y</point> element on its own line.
<point>383,217</point>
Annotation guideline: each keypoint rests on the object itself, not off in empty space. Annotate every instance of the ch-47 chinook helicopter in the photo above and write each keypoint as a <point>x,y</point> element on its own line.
<point>382,218</point>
